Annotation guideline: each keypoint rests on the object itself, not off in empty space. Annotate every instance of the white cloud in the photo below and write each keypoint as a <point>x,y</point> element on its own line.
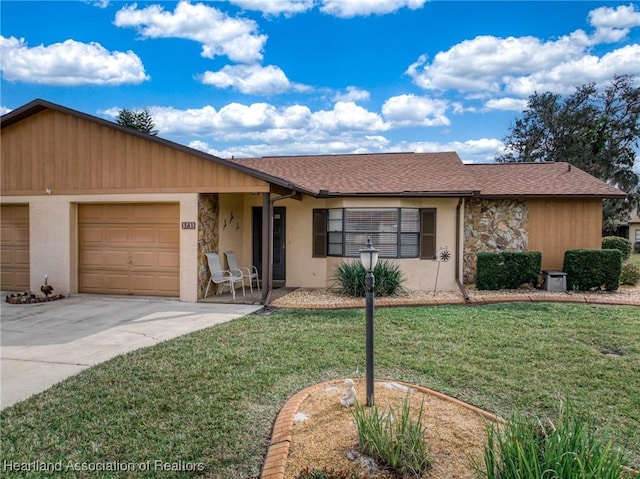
<point>564,78</point>
<point>488,65</point>
<point>507,104</point>
<point>411,110</point>
<point>69,63</point>
<point>483,150</point>
<point>251,79</point>
<point>353,94</point>
<point>219,34</point>
<point>347,116</point>
<point>345,143</point>
<point>98,3</point>
<point>265,122</point>
<point>353,8</point>
<point>4,110</point>
<point>263,129</point>
<point>276,7</point>
<point>482,64</point>
<point>623,17</point>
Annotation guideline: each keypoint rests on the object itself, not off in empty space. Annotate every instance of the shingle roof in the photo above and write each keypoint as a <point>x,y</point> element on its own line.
<point>370,174</point>
<point>385,174</point>
<point>538,179</point>
<point>428,174</point>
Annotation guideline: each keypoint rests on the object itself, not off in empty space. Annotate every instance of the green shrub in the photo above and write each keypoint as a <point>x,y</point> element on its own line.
<point>507,269</point>
<point>350,277</point>
<point>630,274</point>
<point>393,438</point>
<point>540,449</point>
<point>592,268</point>
<point>616,242</point>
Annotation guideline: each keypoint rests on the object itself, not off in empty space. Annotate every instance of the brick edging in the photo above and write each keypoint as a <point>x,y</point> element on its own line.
<point>275,462</point>
<point>546,298</point>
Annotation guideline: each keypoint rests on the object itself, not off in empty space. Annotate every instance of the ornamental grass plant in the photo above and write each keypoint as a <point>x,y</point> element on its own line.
<point>350,276</point>
<point>537,449</point>
<point>394,438</point>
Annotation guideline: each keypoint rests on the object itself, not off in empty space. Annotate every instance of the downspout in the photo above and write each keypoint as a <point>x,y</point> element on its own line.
<point>458,253</point>
<point>266,295</point>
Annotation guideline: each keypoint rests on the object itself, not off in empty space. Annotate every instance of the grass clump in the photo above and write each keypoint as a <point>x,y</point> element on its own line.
<point>395,439</point>
<point>569,449</point>
<point>307,473</point>
<point>350,277</point>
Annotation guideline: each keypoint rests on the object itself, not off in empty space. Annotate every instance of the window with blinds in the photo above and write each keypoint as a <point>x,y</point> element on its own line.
<point>396,232</point>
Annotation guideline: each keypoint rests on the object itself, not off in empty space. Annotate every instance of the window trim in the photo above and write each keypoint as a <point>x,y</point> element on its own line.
<point>319,238</point>
<point>321,235</point>
<point>424,234</point>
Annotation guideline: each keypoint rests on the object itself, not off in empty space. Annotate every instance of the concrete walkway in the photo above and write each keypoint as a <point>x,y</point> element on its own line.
<point>45,343</point>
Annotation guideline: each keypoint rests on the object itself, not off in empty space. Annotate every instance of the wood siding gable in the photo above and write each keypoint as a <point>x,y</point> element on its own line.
<point>68,154</point>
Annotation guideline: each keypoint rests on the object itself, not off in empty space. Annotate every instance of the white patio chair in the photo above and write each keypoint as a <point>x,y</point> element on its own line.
<point>222,277</point>
<point>246,272</point>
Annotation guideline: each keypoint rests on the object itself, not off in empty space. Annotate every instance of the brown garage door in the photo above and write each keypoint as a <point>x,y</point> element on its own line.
<point>14,245</point>
<point>129,248</point>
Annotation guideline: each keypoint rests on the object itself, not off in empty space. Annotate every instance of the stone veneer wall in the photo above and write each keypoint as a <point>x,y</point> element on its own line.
<point>208,235</point>
<point>493,225</point>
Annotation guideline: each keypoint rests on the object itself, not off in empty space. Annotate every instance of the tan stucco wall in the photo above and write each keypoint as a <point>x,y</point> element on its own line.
<point>236,235</point>
<point>54,241</point>
<point>305,271</point>
<point>634,233</point>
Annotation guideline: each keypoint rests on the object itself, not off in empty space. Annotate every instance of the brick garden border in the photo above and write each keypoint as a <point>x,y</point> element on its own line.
<point>276,460</point>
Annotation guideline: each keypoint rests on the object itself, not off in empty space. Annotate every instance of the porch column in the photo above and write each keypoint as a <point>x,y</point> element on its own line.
<point>267,238</point>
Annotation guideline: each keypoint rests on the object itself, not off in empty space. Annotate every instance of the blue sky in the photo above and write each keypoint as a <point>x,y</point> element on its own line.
<point>286,77</point>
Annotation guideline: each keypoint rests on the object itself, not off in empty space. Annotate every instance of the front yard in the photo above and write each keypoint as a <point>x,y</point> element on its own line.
<point>208,400</point>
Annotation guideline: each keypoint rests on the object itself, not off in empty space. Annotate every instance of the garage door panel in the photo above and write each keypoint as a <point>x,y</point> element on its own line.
<point>168,283</point>
<point>168,235</point>
<point>116,259</point>
<point>115,234</point>
<point>144,259</point>
<point>135,252</point>
<point>91,234</point>
<point>91,258</point>
<point>22,258</point>
<point>168,259</point>
<point>15,233</point>
<point>14,247</point>
<point>145,284</point>
<point>143,235</point>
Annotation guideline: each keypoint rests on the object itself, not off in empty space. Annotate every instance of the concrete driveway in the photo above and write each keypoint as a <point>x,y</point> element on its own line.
<point>45,343</point>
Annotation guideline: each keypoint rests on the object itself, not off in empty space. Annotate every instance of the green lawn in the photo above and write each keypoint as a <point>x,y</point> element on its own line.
<point>635,258</point>
<point>210,397</point>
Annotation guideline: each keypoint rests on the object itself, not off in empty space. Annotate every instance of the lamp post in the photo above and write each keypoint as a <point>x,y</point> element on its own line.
<point>369,258</point>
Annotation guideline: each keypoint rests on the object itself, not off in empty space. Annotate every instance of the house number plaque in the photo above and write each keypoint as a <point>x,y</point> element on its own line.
<point>188,225</point>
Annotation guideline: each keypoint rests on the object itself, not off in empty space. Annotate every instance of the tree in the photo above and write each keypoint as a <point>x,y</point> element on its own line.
<point>138,120</point>
<point>597,131</point>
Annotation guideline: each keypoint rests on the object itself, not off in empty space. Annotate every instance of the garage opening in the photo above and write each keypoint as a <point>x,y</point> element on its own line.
<point>129,248</point>
<point>14,247</point>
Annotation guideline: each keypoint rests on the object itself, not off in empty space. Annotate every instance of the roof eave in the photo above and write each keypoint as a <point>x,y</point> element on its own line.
<point>403,194</point>
<point>552,195</point>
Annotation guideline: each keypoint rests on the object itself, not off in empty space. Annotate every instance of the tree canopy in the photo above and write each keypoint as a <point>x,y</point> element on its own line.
<point>596,130</point>
<point>138,120</point>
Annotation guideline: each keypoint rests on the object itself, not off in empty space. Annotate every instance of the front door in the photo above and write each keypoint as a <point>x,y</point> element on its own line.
<point>279,222</point>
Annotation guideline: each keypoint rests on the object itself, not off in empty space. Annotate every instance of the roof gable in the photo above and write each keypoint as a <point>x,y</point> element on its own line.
<point>48,146</point>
